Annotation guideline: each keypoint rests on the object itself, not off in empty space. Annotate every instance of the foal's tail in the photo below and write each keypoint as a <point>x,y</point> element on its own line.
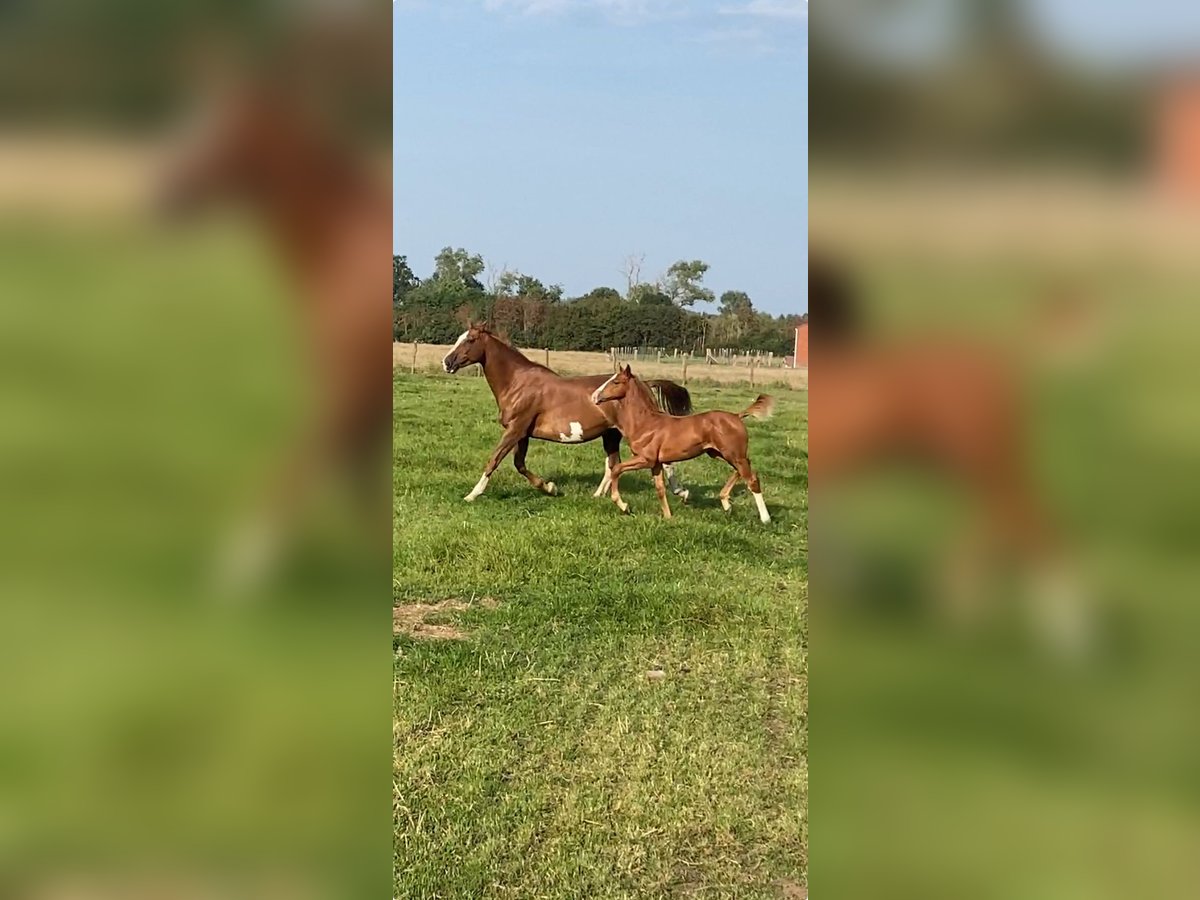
<point>672,398</point>
<point>760,408</point>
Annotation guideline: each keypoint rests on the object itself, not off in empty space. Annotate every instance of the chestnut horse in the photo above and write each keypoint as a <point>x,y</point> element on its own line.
<point>957,406</point>
<point>536,402</point>
<point>331,224</point>
<point>657,438</point>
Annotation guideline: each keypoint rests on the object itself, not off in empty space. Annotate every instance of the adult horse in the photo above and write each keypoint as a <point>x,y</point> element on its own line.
<point>536,402</point>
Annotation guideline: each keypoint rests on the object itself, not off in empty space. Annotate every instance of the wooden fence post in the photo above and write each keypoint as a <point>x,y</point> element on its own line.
<point>547,357</point>
<point>685,368</point>
<point>752,364</point>
<point>414,362</point>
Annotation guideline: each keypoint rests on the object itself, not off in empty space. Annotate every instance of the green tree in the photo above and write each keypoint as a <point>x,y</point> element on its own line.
<point>734,302</point>
<point>603,293</point>
<point>649,295</point>
<point>683,283</point>
<point>460,268</point>
<point>403,283</point>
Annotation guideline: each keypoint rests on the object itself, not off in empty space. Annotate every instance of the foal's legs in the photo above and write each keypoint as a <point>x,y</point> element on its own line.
<point>727,490</point>
<point>519,461</point>
<point>662,490</point>
<point>612,449</point>
<point>512,436</point>
<point>636,463</point>
<point>748,475</point>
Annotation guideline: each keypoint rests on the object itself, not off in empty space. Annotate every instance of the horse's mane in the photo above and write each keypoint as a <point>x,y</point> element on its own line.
<point>516,352</point>
<point>665,396</point>
<point>643,391</point>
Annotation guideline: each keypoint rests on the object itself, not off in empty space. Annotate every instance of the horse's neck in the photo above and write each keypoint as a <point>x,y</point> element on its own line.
<point>500,363</point>
<point>636,408</point>
<point>304,199</point>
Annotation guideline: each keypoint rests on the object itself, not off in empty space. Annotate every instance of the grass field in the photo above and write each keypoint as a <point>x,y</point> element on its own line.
<point>577,362</point>
<point>597,705</point>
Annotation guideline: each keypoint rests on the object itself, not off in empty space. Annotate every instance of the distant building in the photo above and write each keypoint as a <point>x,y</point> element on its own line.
<point>1176,136</point>
<point>800,355</point>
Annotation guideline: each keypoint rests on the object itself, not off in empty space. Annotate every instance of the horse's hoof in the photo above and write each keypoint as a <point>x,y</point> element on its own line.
<point>684,495</point>
<point>623,507</point>
<point>549,488</point>
<point>470,498</point>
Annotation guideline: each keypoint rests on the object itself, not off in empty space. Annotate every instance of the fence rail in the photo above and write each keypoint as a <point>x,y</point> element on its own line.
<point>762,371</point>
<point>718,357</point>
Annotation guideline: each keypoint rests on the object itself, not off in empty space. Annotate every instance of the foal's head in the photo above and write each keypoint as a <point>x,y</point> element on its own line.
<point>615,388</point>
<point>467,350</point>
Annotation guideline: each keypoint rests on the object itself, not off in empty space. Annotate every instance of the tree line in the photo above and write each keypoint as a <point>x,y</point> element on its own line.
<point>462,288</point>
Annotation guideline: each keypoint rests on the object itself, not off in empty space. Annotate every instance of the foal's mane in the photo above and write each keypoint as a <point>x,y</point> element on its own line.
<point>644,393</point>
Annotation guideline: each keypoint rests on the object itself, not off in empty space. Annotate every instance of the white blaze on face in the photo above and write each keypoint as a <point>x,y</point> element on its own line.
<point>445,359</point>
<point>575,436</point>
<point>600,390</point>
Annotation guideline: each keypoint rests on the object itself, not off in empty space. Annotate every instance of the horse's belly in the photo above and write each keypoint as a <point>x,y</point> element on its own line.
<point>673,453</point>
<point>568,431</point>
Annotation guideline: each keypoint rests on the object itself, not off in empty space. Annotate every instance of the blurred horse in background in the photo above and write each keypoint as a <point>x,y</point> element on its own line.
<point>255,144</point>
<point>953,405</point>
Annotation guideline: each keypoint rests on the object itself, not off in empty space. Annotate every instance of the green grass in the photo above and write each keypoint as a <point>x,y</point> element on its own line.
<point>534,758</point>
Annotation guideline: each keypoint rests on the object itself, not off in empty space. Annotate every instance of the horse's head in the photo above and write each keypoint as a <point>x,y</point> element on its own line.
<point>225,148</point>
<point>615,388</point>
<point>467,350</point>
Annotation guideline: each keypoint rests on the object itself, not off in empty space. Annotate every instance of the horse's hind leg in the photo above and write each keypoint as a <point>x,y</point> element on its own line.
<point>676,488</point>
<point>519,461</point>
<point>612,450</point>
<point>661,488</point>
<point>748,475</point>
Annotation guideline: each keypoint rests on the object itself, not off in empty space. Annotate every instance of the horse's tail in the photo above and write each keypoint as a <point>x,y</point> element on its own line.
<point>760,408</point>
<point>672,398</point>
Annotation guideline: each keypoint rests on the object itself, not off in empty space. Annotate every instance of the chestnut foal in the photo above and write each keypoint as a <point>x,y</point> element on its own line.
<point>657,438</point>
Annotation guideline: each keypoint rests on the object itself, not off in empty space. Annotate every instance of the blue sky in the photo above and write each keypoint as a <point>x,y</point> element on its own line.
<point>557,137</point>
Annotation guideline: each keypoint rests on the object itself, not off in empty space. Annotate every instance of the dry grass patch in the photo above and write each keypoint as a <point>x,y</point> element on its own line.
<point>421,621</point>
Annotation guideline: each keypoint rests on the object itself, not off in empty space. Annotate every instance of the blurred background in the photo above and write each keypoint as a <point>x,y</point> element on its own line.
<point>1004,212</point>
<point>194,226</point>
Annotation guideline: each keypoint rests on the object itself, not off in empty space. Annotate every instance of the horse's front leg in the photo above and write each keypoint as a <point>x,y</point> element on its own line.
<point>620,468</point>
<point>661,488</point>
<point>511,437</point>
<point>612,451</point>
<point>519,461</point>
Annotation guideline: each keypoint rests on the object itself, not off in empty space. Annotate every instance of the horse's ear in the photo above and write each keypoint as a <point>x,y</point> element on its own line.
<point>628,371</point>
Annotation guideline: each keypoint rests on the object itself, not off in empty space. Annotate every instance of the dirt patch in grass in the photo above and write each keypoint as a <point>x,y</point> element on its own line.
<point>423,621</point>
